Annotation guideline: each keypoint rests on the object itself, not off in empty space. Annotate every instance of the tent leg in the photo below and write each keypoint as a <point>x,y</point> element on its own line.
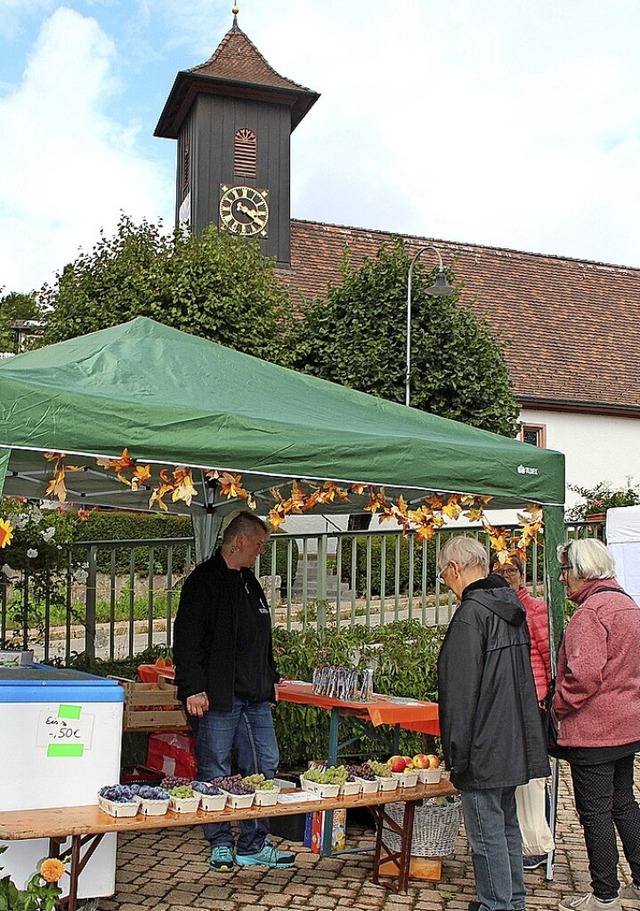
<point>553,813</point>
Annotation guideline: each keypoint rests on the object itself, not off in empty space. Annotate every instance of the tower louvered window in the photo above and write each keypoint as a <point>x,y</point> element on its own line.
<point>245,153</point>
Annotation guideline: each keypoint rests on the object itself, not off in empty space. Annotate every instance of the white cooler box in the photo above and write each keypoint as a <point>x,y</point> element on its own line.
<point>60,743</point>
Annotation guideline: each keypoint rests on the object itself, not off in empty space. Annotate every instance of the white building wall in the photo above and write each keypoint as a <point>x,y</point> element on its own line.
<point>596,447</point>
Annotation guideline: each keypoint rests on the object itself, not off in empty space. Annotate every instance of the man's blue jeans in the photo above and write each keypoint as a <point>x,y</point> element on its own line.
<point>494,836</point>
<point>247,729</point>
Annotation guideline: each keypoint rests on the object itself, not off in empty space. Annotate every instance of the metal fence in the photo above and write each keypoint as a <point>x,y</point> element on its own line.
<point>119,598</point>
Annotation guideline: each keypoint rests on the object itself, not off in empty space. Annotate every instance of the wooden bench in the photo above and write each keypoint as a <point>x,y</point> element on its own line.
<point>86,826</point>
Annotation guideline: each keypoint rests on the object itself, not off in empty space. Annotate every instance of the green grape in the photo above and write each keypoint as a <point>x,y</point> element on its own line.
<point>381,769</point>
<point>183,790</point>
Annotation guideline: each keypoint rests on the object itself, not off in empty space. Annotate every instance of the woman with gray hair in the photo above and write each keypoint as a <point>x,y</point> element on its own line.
<point>597,708</point>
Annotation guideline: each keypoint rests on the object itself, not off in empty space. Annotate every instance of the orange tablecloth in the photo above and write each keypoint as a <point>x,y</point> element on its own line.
<point>408,713</point>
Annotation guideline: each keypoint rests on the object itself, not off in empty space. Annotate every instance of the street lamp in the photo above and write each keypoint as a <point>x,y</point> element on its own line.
<point>440,287</point>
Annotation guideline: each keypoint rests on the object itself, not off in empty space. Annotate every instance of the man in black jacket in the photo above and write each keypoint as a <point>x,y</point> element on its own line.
<point>489,719</point>
<point>226,678</point>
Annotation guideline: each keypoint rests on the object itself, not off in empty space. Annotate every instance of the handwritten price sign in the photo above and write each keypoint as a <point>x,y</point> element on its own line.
<point>64,730</point>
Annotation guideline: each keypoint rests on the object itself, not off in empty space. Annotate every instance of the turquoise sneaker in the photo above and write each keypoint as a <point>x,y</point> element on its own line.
<point>221,860</point>
<point>267,857</point>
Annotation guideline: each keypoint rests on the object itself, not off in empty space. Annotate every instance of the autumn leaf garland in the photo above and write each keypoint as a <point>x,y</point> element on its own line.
<point>425,519</point>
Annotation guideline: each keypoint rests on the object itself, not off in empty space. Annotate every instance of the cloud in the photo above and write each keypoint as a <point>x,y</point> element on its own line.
<point>73,168</point>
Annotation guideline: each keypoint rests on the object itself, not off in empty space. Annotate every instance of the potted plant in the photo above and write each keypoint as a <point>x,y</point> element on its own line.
<point>596,500</point>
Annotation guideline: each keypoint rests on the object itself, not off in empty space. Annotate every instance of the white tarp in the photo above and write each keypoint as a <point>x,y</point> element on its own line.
<point>623,540</point>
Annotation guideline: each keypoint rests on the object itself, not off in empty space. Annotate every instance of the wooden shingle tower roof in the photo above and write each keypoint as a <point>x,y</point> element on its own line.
<point>236,69</point>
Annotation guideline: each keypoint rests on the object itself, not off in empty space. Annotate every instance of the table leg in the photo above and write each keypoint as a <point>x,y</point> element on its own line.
<point>332,759</point>
<point>401,859</point>
<point>77,862</point>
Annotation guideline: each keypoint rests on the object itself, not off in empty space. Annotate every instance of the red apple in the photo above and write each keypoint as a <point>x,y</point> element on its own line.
<point>397,764</point>
<point>420,761</point>
<point>434,761</point>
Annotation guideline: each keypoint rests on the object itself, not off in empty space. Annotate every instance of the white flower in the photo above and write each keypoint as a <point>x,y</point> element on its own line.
<point>36,516</point>
<point>20,521</point>
<point>7,570</point>
<point>32,553</point>
<point>48,533</point>
<point>81,576</point>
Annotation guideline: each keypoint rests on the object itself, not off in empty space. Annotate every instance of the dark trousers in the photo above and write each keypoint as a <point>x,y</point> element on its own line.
<point>605,802</point>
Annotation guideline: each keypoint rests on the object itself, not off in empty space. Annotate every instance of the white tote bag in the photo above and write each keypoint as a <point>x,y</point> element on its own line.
<point>530,806</point>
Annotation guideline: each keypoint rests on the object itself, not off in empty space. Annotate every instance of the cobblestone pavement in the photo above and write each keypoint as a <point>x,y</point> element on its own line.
<point>168,871</point>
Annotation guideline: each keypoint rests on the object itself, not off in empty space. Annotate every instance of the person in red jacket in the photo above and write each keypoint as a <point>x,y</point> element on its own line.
<point>538,623</point>
<point>597,708</point>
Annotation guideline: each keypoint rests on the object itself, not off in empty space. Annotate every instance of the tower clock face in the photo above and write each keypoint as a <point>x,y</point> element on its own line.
<point>244,210</point>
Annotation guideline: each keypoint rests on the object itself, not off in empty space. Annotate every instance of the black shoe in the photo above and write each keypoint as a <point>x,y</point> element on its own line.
<point>534,861</point>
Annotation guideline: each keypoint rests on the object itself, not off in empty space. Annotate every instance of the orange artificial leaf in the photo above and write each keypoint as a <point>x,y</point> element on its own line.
<point>425,532</point>
<point>231,485</point>
<point>118,465</point>
<point>158,495</point>
<point>141,475</point>
<point>56,486</point>
<point>183,489</point>
<point>474,514</point>
<point>452,508</point>
<point>276,517</point>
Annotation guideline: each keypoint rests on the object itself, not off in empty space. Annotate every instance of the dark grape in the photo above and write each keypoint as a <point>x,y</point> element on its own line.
<point>118,793</point>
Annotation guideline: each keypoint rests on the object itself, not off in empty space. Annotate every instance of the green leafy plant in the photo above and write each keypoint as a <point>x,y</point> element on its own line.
<point>601,497</point>
<point>41,892</point>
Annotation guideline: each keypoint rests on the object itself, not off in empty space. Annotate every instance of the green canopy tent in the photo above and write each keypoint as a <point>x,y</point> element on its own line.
<point>173,399</point>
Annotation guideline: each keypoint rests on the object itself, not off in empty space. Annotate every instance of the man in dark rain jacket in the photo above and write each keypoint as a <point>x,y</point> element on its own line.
<point>492,736</point>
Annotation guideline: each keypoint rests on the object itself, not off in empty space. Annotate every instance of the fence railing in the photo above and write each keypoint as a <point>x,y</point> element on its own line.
<point>119,598</point>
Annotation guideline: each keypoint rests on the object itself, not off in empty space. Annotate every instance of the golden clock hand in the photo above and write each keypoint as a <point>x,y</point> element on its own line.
<point>252,213</point>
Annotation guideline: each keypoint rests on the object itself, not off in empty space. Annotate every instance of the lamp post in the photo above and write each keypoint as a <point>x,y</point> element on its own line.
<point>440,287</point>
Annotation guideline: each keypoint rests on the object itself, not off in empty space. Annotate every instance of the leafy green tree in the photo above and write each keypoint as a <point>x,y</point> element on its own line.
<point>216,286</point>
<point>357,336</point>
<point>14,308</point>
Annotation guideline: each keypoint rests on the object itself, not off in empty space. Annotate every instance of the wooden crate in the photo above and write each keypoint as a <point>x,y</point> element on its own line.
<point>152,707</point>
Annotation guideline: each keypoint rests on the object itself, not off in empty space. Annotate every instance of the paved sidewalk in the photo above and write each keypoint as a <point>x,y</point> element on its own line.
<point>168,871</point>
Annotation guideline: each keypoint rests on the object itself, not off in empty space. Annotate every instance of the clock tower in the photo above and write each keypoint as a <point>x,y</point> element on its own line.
<point>233,117</point>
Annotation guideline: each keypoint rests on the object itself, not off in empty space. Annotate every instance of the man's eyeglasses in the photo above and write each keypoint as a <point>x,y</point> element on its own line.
<point>508,571</point>
<point>440,576</point>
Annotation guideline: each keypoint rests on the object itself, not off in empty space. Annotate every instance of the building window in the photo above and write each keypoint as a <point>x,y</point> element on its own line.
<point>245,153</point>
<point>534,434</point>
<point>185,170</point>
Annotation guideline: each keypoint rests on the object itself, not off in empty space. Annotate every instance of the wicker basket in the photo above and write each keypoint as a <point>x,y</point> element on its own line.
<point>434,827</point>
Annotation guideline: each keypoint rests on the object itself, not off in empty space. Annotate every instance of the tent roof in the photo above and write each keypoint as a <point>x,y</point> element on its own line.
<point>175,399</point>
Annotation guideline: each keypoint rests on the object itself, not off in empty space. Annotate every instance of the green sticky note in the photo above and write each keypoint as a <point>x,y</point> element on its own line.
<point>57,750</point>
<point>69,711</point>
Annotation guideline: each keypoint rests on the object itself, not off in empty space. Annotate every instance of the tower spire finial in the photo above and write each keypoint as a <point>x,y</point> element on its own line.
<point>235,9</point>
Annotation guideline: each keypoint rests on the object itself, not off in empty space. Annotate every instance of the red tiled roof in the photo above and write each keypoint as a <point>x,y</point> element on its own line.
<point>571,326</point>
<point>236,68</point>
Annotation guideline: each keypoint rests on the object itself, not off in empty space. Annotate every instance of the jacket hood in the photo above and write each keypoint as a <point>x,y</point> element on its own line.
<point>496,595</point>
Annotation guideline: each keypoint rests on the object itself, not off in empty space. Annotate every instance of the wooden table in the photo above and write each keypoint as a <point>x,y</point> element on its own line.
<point>398,712</point>
<point>86,826</point>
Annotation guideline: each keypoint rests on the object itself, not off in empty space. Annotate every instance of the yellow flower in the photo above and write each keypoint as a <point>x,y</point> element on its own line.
<point>51,870</point>
<point>6,532</point>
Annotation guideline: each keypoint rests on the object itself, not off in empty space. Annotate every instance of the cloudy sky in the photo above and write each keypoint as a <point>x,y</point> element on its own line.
<point>511,123</point>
